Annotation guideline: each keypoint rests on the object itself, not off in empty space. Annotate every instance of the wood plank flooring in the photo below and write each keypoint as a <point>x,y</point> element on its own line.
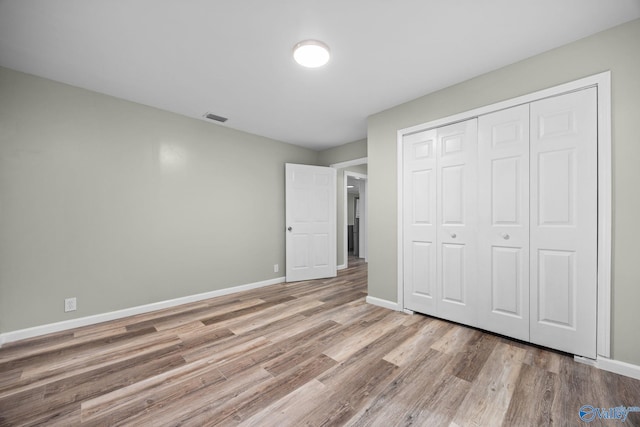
<point>307,353</point>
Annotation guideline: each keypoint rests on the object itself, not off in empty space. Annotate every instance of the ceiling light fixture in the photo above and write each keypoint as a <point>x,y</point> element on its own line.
<point>311,53</point>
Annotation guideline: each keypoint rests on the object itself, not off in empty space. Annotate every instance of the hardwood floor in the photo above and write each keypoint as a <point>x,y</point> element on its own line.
<point>306,353</point>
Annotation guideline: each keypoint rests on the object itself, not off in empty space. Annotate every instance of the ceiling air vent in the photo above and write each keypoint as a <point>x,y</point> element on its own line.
<point>214,117</point>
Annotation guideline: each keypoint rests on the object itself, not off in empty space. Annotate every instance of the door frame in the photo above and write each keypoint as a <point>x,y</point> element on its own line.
<point>362,232</point>
<point>602,82</point>
<point>342,165</point>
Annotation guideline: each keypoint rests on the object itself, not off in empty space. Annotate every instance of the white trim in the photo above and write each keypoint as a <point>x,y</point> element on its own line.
<point>354,162</point>
<point>604,215</point>
<point>342,266</point>
<point>341,165</point>
<point>132,311</point>
<point>400,219</point>
<point>383,303</point>
<point>610,365</point>
<point>603,82</point>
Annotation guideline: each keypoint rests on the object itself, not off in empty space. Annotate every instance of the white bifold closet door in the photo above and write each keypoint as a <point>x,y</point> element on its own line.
<point>440,216</point>
<point>500,222</point>
<point>419,222</point>
<point>503,229</point>
<point>564,222</point>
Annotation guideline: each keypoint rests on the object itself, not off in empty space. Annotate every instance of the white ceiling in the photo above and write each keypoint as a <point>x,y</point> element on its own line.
<point>233,58</point>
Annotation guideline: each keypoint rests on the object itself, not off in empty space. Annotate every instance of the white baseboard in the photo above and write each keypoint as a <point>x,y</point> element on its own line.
<point>119,314</point>
<point>611,365</point>
<point>383,303</point>
<point>342,266</point>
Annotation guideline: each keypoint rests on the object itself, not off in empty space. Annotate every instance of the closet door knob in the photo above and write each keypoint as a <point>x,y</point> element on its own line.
<point>505,236</point>
<point>453,235</point>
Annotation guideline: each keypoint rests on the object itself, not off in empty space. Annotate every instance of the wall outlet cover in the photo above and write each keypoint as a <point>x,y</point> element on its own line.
<point>70,304</point>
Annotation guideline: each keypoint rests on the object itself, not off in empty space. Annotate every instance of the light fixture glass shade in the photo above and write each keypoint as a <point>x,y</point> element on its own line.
<point>311,53</point>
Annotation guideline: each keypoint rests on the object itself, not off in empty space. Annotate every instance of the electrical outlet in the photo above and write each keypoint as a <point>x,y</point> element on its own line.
<point>70,304</point>
<point>276,268</point>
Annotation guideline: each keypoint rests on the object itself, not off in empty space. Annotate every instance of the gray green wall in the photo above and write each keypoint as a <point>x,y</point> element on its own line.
<point>342,153</point>
<point>122,205</point>
<point>617,50</point>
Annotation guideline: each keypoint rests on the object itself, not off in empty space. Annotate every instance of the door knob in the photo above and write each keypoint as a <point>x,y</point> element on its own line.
<point>453,235</point>
<point>289,228</point>
<point>505,236</point>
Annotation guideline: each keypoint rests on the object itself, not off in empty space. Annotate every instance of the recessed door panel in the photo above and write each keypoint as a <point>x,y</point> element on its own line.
<point>556,124</point>
<point>422,273</point>
<point>301,256</point>
<point>453,143</point>
<point>556,187</point>
<point>423,149</point>
<point>453,195</point>
<point>321,203</point>
<point>421,197</point>
<point>507,281</point>
<point>557,288</point>
<point>453,273</point>
<point>506,200</point>
<point>301,205</point>
<point>320,250</point>
<point>507,132</point>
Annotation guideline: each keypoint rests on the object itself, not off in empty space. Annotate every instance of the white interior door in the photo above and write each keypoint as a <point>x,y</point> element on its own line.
<point>419,222</point>
<point>457,210</point>
<point>564,222</point>
<point>503,229</point>
<point>310,221</point>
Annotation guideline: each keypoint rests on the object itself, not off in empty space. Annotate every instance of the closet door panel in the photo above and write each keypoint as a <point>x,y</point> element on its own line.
<point>456,151</point>
<point>503,229</point>
<point>419,222</point>
<point>564,169</point>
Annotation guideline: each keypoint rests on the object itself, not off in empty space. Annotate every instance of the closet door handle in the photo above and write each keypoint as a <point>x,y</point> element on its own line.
<point>505,236</point>
<point>453,235</point>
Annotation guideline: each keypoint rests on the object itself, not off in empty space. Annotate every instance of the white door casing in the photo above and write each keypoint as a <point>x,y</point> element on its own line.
<point>310,218</point>
<point>564,219</point>
<point>503,229</point>
<point>362,231</point>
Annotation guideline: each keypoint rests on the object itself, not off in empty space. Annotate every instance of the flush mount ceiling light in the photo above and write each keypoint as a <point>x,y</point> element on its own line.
<point>311,53</point>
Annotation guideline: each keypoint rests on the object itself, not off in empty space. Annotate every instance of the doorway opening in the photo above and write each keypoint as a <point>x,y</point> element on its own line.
<point>353,217</point>
<point>355,213</point>
<point>352,173</point>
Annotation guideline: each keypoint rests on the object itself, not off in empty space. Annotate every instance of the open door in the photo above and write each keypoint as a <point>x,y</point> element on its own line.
<point>310,222</point>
